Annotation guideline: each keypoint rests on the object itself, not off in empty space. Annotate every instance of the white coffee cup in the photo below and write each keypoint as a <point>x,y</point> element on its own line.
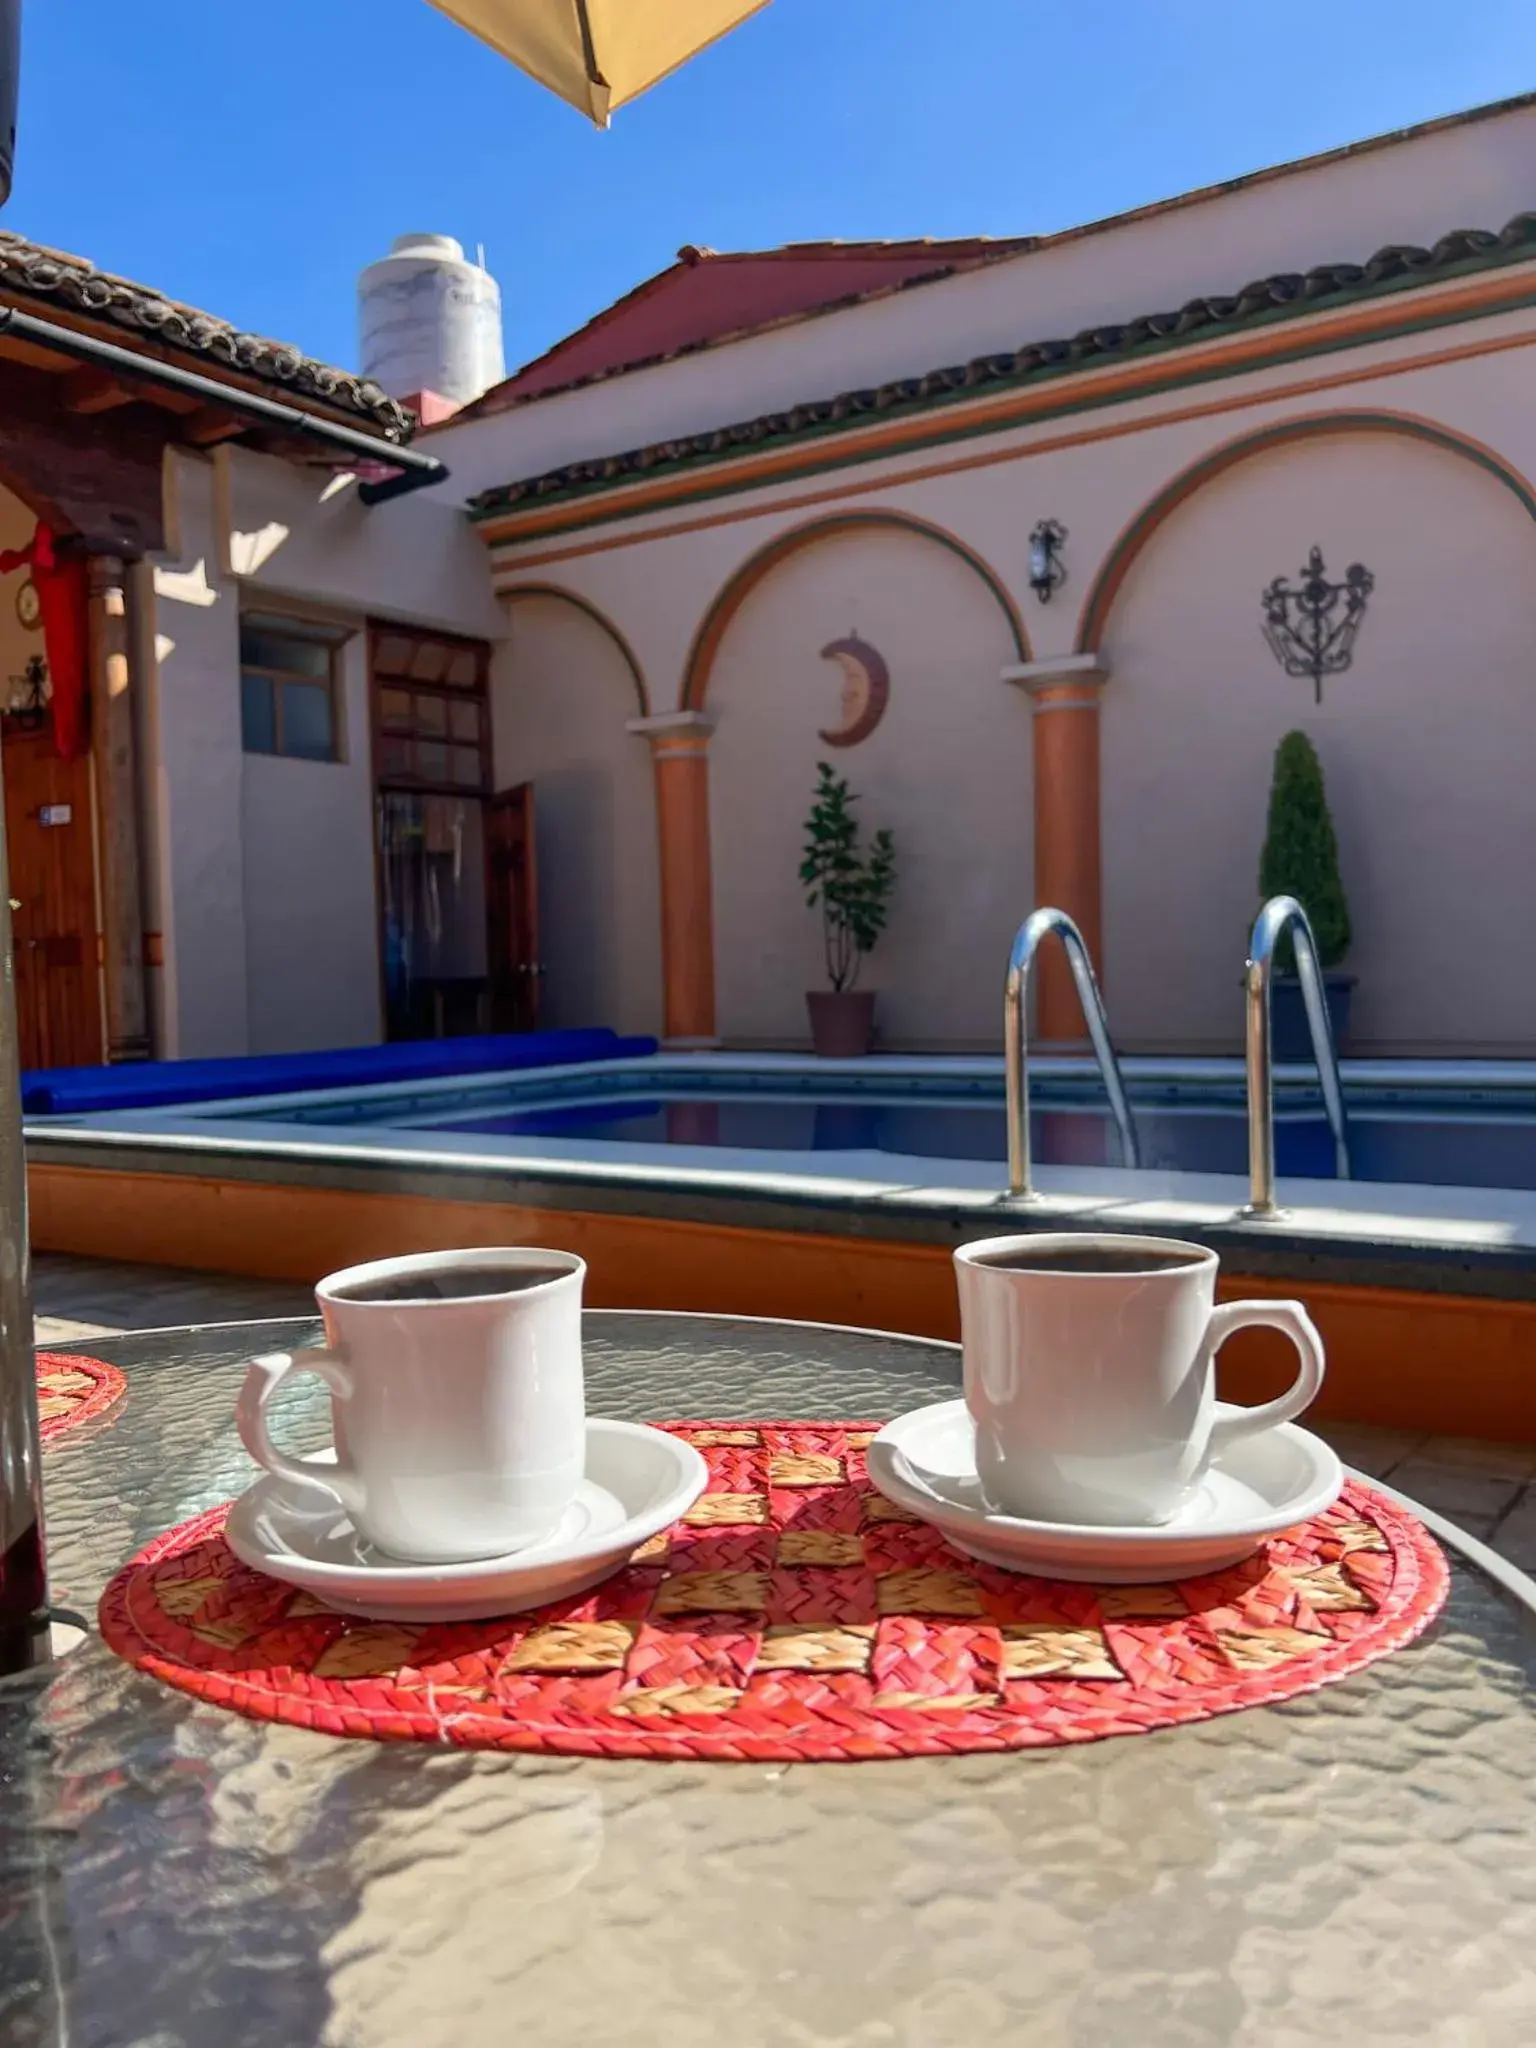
<point>459,1417</point>
<point>1089,1370</point>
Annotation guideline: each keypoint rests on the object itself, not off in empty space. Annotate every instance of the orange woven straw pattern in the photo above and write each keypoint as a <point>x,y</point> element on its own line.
<point>73,1390</point>
<point>793,1614</point>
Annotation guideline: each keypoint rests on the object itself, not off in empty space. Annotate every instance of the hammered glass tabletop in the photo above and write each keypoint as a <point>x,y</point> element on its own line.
<point>1357,1865</point>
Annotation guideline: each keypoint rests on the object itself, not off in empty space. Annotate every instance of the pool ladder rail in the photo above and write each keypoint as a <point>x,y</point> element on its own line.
<point>1279,915</point>
<point>1041,925</point>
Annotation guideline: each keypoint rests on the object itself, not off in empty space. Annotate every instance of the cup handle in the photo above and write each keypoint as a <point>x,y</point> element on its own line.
<point>263,1377</point>
<point>1293,1319</point>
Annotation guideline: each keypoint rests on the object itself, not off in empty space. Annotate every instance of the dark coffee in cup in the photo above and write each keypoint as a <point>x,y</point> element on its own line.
<point>454,1283</point>
<point>1094,1258</point>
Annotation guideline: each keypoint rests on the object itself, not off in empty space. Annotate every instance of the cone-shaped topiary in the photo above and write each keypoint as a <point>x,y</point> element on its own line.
<point>1301,854</point>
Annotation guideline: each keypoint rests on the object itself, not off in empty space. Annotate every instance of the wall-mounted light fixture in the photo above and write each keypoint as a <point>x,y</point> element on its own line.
<point>1311,625</point>
<point>1047,571</point>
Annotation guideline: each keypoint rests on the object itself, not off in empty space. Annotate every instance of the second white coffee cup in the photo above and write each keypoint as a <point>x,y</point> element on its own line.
<point>1089,1370</point>
<point>456,1398</point>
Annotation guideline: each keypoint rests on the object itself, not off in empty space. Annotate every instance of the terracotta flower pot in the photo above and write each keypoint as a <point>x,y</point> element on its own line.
<point>842,1021</point>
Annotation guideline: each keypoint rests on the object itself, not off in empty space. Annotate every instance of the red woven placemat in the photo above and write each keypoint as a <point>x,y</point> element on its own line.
<point>793,1614</point>
<point>73,1390</point>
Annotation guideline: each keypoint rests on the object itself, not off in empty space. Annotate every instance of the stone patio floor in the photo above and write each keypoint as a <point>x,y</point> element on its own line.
<point>1489,1489</point>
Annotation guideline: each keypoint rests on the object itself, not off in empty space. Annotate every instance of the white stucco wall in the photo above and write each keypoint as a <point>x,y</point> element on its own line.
<point>1426,744</point>
<point>1426,772</point>
<point>197,780</point>
<point>1475,175</point>
<point>311,917</point>
<point>296,532</point>
<point>561,697</point>
<point>262,884</point>
<point>1186,624</point>
<point>947,769</point>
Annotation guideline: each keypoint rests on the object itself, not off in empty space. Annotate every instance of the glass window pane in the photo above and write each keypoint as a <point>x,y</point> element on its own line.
<point>432,715</point>
<point>392,654</point>
<point>395,710</point>
<point>258,720</point>
<point>463,669</point>
<point>465,763</point>
<point>307,724</point>
<point>260,649</point>
<point>432,761</point>
<point>395,760</point>
<point>464,719</point>
<point>429,661</point>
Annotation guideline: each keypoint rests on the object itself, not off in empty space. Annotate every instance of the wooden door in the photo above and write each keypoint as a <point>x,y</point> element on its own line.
<point>512,891</point>
<point>48,841</point>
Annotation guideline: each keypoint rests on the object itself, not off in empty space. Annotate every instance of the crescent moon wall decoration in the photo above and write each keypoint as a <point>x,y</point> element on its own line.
<point>866,690</point>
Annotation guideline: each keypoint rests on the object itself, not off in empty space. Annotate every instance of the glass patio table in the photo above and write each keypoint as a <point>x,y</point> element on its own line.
<point>1355,1865</point>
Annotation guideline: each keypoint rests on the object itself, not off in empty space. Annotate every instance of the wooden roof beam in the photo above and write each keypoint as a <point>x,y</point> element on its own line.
<point>209,425</point>
<point>91,390</point>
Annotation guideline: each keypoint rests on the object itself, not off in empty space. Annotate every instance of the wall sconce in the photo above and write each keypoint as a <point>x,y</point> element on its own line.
<point>26,701</point>
<point>1311,625</point>
<point>1047,571</point>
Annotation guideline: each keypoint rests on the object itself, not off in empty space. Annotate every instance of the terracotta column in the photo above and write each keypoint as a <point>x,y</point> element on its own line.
<point>117,809</point>
<point>1065,692</point>
<point>680,749</point>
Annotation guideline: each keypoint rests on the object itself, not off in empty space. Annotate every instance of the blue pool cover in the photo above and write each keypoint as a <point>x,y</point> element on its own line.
<point>74,1091</point>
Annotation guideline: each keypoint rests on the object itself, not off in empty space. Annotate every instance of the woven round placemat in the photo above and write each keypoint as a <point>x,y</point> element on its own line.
<point>73,1390</point>
<point>792,1615</point>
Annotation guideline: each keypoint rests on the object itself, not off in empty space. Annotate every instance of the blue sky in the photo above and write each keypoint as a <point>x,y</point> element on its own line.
<point>250,159</point>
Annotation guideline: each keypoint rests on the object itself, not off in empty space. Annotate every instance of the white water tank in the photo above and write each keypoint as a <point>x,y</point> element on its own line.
<point>429,320</point>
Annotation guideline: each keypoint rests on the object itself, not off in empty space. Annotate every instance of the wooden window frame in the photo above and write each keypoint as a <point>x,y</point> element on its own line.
<point>478,693</point>
<point>313,633</point>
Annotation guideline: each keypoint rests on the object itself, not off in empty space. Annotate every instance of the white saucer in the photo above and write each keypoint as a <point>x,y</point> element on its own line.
<point>926,1463</point>
<point>638,1481</point>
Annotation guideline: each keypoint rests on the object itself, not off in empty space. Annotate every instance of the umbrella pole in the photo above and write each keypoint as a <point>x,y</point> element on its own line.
<point>24,1629</point>
<point>24,1635</point>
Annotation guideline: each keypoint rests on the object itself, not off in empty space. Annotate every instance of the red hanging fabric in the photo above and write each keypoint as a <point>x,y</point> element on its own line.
<point>62,600</point>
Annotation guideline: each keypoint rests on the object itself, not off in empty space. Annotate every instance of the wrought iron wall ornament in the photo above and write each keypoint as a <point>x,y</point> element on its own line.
<point>1311,625</point>
<point>1047,571</point>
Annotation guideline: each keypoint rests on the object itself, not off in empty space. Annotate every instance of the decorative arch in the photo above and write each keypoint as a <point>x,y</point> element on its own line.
<point>741,584</point>
<point>1133,538</point>
<point>516,592</point>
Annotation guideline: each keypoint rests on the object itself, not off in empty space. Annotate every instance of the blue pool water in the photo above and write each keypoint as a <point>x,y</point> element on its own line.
<point>1450,1134</point>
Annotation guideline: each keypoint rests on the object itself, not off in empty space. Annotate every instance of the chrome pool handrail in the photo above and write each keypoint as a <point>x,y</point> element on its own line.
<point>1039,925</point>
<point>1282,913</point>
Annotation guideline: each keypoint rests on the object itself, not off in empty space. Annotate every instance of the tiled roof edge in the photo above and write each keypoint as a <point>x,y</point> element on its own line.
<point>503,398</point>
<point>37,272</point>
<point>1285,295</point>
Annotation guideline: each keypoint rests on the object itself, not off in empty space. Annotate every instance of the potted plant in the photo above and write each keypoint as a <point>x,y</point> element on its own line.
<point>1301,859</point>
<point>851,886</point>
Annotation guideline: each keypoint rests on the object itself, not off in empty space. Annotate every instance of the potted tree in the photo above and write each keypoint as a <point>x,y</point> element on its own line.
<point>851,886</point>
<point>1301,859</point>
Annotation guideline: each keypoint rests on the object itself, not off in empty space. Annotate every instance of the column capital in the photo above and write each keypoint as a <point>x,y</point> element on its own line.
<point>675,735</point>
<point>673,725</point>
<point>105,574</point>
<point>1061,682</point>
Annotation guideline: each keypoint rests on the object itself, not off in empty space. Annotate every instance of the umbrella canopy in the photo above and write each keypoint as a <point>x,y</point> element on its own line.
<point>598,53</point>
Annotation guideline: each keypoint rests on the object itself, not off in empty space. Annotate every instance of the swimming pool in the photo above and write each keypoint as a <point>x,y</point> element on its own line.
<point>1473,1125</point>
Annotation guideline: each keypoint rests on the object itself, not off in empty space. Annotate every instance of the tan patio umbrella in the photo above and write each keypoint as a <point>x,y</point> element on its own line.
<point>599,53</point>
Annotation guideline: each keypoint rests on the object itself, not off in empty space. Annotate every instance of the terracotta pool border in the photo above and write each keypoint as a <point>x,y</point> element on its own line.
<point>1424,1335</point>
